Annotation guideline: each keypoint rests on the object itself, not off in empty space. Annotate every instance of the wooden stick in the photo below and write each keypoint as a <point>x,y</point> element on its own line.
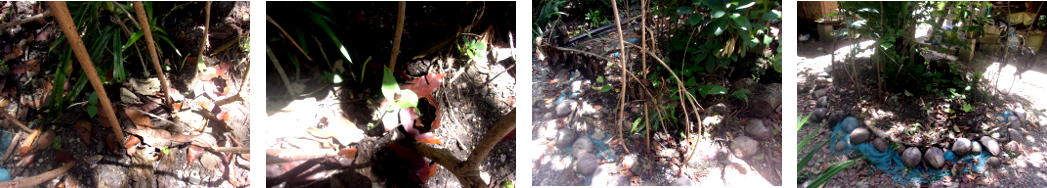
<point>280,69</point>
<point>26,20</point>
<point>267,18</point>
<point>151,46</point>
<point>65,21</point>
<point>625,80</point>
<point>14,120</point>
<point>240,150</point>
<point>38,179</point>
<point>207,25</point>
<point>468,172</point>
<point>399,32</point>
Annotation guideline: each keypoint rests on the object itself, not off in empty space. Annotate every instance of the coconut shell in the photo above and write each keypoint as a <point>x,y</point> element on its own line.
<point>757,130</point>
<point>587,164</point>
<point>1014,134</point>
<point>823,101</point>
<point>1012,147</point>
<point>744,147</point>
<point>976,148</point>
<point>880,144</point>
<point>565,137</point>
<point>849,124</point>
<point>961,147</point>
<point>859,135</point>
<point>819,114</point>
<point>900,150</point>
<point>911,157</point>
<point>836,117</point>
<point>581,147</point>
<point>840,146</point>
<point>934,157</point>
<point>990,144</point>
<point>993,162</point>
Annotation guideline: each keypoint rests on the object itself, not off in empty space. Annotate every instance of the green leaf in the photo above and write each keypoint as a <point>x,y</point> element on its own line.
<point>743,4</point>
<point>690,82</point>
<point>93,99</point>
<point>696,19</point>
<point>742,94</point>
<point>134,38</point>
<point>771,15</point>
<point>407,99</point>
<point>767,40</point>
<point>684,10</point>
<point>599,79</point>
<point>742,22</point>
<point>833,169</point>
<point>165,150</point>
<point>57,144</point>
<point>389,85</point>
<point>635,123</point>
<point>714,4</point>
<point>119,74</point>
<point>91,111</point>
<point>967,107</point>
<point>717,13</point>
<point>605,88</point>
<point>711,89</point>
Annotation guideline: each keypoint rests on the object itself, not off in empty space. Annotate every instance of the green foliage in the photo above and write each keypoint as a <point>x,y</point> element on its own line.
<point>967,107</point>
<point>390,89</point>
<point>833,169</point>
<point>57,144</point>
<point>474,48</point>
<point>595,19</point>
<point>91,109</point>
<point>165,150</point>
<point>742,94</point>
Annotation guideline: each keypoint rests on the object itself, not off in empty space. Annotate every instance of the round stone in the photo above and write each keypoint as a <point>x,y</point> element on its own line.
<point>581,147</point>
<point>900,150</point>
<point>819,93</point>
<point>859,135</point>
<point>993,162</point>
<point>934,157</point>
<point>911,157</point>
<point>961,147</point>
<point>757,130</point>
<point>744,147</point>
<point>633,162</point>
<point>990,144</point>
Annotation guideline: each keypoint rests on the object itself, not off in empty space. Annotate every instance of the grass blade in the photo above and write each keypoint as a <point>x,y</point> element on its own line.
<point>833,169</point>
<point>807,158</point>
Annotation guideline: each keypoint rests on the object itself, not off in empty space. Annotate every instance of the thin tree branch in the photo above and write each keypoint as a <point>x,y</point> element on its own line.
<point>26,20</point>
<point>267,18</point>
<point>399,32</point>
<point>468,172</point>
<point>150,45</point>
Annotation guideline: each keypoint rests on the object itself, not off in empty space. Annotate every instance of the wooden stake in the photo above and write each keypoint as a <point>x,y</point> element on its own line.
<point>140,10</point>
<point>65,21</point>
<point>399,32</point>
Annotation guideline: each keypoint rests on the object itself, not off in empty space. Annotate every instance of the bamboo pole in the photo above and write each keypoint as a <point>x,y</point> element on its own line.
<point>140,10</point>
<point>65,21</point>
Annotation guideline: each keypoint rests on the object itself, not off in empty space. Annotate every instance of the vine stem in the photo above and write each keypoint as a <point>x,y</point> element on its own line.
<point>625,80</point>
<point>151,46</point>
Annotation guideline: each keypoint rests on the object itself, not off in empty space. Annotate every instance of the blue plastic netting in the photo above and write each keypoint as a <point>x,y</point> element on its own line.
<point>891,161</point>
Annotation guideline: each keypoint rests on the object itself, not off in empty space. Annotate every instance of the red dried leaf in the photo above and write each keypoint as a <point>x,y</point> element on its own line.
<point>348,153</point>
<point>224,116</point>
<point>102,118</point>
<point>193,153</point>
<point>15,52</point>
<point>425,86</point>
<point>130,143</point>
<point>177,105</point>
<point>415,162</point>
<point>63,156</point>
<point>31,65</point>
<point>83,130</point>
<point>206,105</point>
<point>28,159</point>
<point>112,143</point>
<point>45,140</point>
<point>138,118</point>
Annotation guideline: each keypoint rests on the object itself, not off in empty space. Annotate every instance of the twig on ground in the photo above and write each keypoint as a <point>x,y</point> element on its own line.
<point>280,70</point>
<point>26,20</point>
<point>65,20</point>
<point>238,150</point>
<point>399,32</point>
<point>11,147</point>
<point>212,117</point>
<point>293,42</point>
<point>38,179</point>
<point>468,172</point>
<point>499,74</point>
<point>275,156</point>
<point>14,120</point>
<point>151,46</point>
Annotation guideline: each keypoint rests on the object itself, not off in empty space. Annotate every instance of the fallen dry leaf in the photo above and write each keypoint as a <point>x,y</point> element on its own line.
<point>177,106</point>
<point>112,143</point>
<point>15,52</point>
<point>348,153</point>
<point>63,156</point>
<point>138,118</point>
<point>206,105</point>
<point>102,119</point>
<point>83,130</point>
<point>425,86</point>
<point>130,143</point>
<point>193,153</point>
